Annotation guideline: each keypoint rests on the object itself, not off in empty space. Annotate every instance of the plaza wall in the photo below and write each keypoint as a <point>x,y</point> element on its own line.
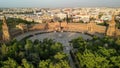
<point>37,27</point>
<point>75,27</point>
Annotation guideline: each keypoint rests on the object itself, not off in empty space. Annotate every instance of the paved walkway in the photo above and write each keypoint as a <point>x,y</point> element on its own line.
<point>20,37</point>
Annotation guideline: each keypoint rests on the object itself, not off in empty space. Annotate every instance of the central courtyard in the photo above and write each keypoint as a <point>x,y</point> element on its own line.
<point>62,37</point>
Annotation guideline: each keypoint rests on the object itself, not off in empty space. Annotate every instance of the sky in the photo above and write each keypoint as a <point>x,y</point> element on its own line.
<point>59,3</point>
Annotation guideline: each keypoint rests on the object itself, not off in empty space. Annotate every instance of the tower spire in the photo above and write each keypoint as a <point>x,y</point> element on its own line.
<point>111,31</point>
<point>4,20</point>
<point>113,19</point>
<point>5,30</point>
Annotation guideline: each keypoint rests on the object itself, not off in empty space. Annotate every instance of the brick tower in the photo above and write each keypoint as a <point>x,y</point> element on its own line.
<point>5,31</point>
<point>91,27</point>
<point>111,31</point>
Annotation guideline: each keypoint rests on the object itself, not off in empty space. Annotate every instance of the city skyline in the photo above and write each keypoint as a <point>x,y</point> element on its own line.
<point>59,3</point>
<point>59,34</point>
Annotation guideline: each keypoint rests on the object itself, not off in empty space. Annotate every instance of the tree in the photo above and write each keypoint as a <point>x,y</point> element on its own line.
<point>12,49</point>
<point>64,64</point>
<point>81,21</point>
<point>33,58</point>
<point>36,42</point>
<point>115,61</point>
<point>87,60</point>
<point>95,38</point>
<point>4,51</point>
<point>97,55</point>
<point>28,46</point>
<point>57,47</point>
<point>60,56</point>
<point>100,15</point>
<point>44,64</point>
<point>79,43</point>
<point>117,42</point>
<point>43,54</point>
<point>10,63</point>
<point>26,64</point>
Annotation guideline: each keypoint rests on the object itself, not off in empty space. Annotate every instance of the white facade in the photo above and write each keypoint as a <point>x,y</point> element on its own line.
<point>61,15</point>
<point>106,17</point>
